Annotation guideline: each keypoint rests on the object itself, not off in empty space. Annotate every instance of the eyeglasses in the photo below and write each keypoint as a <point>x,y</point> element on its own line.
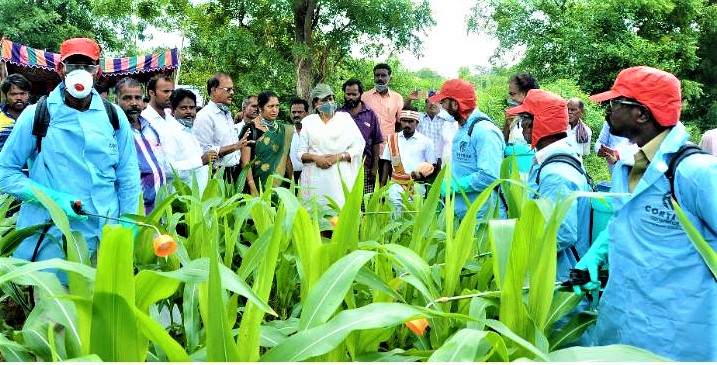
<point>615,102</point>
<point>229,90</point>
<point>69,67</point>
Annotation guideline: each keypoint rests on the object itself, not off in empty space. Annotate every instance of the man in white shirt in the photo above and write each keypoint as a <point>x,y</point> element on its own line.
<point>214,126</point>
<point>159,88</point>
<point>410,154</point>
<point>183,152</point>
<point>299,109</point>
<point>434,125</point>
<point>579,133</point>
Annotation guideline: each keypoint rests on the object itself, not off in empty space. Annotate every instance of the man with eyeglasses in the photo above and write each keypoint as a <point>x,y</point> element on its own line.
<point>214,126</point>
<point>661,295</point>
<point>82,158</point>
<point>16,90</point>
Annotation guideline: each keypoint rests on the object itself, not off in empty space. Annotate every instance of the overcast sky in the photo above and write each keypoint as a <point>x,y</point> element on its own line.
<point>448,47</point>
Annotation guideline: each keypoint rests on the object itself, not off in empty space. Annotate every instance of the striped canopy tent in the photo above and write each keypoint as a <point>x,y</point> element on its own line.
<point>39,66</point>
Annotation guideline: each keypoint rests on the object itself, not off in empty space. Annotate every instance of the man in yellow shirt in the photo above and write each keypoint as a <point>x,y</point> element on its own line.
<point>16,90</point>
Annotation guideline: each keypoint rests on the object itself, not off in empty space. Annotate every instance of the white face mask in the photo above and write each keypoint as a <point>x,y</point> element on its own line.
<point>79,83</point>
<point>447,117</point>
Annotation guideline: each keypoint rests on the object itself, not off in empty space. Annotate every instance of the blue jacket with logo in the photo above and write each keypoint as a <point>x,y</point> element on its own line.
<point>82,155</point>
<point>558,179</point>
<point>661,295</point>
<point>478,156</point>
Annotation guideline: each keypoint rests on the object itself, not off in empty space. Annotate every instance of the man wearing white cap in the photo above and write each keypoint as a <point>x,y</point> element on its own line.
<point>411,158</point>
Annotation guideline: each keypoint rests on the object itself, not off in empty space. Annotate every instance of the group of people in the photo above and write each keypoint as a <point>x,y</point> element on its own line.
<point>661,295</point>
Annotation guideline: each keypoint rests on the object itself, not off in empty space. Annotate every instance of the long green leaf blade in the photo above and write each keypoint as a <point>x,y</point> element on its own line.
<point>114,325</point>
<point>330,290</point>
<point>322,339</point>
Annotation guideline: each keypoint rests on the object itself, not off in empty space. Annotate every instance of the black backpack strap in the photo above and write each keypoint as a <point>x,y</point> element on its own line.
<point>570,160</point>
<point>111,113</point>
<point>685,151</point>
<point>41,121</point>
<point>476,121</point>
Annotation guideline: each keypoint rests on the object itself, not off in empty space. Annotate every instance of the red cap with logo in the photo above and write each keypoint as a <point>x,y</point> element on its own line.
<point>80,46</point>
<point>658,90</point>
<point>550,113</point>
<point>460,90</point>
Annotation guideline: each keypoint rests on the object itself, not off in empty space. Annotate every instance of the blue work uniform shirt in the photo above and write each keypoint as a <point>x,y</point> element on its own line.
<point>82,155</point>
<point>559,179</point>
<point>478,156</point>
<point>661,296</point>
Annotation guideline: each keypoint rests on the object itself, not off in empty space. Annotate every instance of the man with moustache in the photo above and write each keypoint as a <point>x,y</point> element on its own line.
<point>579,132</point>
<point>84,156</point>
<point>367,122</point>
<point>387,104</point>
<point>433,124</point>
<point>299,110</point>
<point>159,88</point>
<point>16,90</point>
<point>181,148</point>
<point>147,140</point>
<point>214,126</point>
<point>410,158</point>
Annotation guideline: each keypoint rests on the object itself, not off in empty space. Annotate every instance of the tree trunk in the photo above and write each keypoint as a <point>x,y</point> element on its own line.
<point>305,18</point>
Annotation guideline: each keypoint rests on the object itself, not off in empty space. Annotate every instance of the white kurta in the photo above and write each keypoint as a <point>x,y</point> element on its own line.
<point>336,136</point>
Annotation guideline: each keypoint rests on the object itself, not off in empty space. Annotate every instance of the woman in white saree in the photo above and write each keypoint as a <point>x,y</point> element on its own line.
<point>330,146</point>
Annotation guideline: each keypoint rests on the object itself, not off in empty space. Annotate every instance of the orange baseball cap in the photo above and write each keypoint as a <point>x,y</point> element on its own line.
<point>460,90</point>
<point>80,46</point>
<point>658,90</point>
<point>549,110</point>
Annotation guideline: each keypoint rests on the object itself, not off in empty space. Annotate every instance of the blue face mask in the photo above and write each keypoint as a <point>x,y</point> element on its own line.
<point>381,87</point>
<point>512,103</point>
<point>186,122</point>
<point>327,108</point>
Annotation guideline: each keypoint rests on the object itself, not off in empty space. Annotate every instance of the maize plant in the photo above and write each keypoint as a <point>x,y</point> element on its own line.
<point>273,278</point>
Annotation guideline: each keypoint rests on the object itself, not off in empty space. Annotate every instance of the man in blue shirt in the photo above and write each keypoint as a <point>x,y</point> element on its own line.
<point>82,157</point>
<point>544,118</point>
<point>477,147</point>
<point>661,295</point>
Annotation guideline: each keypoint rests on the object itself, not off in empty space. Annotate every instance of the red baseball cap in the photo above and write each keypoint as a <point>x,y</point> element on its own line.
<point>460,90</point>
<point>658,90</point>
<point>80,46</point>
<point>550,113</point>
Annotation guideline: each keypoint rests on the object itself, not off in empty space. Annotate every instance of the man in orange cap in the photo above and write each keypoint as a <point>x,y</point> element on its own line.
<point>557,169</point>
<point>87,154</point>
<point>661,295</point>
<point>477,147</point>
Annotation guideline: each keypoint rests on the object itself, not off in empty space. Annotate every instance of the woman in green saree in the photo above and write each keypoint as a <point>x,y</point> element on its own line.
<point>270,152</point>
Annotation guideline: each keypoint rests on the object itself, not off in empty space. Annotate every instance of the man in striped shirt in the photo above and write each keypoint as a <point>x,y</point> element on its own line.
<point>147,141</point>
<point>16,90</point>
